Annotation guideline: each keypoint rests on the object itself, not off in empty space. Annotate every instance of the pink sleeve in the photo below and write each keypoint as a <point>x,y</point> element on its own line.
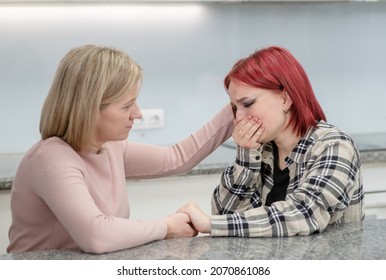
<point>143,161</point>
<point>62,186</point>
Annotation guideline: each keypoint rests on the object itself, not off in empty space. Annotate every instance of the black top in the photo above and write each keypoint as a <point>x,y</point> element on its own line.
<point>280,180</point>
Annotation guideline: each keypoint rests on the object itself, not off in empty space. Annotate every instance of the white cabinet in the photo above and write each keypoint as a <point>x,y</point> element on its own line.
<point>150,199</point>
<point>374,183</point>
<point>5,219</point>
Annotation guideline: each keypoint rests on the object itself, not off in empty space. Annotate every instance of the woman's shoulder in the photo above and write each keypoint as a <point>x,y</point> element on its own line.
<point>47,160</point>
<point>51,145</point>
<point>50,150</point>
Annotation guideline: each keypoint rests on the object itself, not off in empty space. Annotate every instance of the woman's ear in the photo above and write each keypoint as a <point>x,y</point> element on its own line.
<point>286,98</point>
<point>287,102</point>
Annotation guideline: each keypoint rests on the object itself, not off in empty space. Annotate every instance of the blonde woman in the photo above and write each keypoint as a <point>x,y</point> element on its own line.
<point>70,188</point>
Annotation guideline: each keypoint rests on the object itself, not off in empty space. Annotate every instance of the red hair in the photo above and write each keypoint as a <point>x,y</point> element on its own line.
<point>276,68</point>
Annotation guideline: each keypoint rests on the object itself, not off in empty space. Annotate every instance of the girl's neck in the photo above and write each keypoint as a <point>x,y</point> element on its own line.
<point>285,144</point>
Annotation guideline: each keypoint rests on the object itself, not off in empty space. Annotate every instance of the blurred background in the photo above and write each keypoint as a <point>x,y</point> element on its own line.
<point>185,49</point>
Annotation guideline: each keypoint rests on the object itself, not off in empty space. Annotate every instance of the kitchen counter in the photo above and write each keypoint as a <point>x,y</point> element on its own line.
<point>366,241</point>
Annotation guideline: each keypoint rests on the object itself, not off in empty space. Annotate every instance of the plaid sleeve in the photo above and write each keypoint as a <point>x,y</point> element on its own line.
<point>329,187</point>
<point>237,190</point>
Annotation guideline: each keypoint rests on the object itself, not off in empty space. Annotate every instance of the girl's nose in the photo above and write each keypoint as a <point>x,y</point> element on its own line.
<point>239,115</point>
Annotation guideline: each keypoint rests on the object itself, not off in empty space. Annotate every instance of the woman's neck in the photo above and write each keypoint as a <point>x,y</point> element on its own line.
<point>94,148</point>
<point>285,144</point>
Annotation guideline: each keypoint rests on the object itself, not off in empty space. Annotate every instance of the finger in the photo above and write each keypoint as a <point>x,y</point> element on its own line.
<point>251,130</point>
<point>184,216</point>
<point>193,231</point>
<point>183,209</point>
<point>243,120</point>
<point>246,134</point>
<point>244,124</point>
<point>256,137</point>
<point>249,126</point>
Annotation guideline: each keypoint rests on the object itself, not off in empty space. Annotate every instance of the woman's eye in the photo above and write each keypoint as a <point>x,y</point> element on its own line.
<point>248,104</point>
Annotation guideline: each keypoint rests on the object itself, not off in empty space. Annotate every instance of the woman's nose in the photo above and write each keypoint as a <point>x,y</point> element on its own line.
<point>239,115</point>
<point>137,114</point>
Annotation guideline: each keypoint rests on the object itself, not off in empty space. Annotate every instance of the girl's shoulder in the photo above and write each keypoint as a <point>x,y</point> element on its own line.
<point>329,133</point>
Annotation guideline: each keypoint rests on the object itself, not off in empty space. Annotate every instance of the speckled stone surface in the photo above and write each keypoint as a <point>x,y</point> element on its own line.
<point>365,241</point>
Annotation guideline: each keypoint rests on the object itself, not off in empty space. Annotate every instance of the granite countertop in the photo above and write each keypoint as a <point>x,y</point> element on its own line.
<point>366,241</point>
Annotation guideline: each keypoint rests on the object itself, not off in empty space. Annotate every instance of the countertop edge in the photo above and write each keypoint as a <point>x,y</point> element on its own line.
<point>373,156</point>
<point>351,241</point>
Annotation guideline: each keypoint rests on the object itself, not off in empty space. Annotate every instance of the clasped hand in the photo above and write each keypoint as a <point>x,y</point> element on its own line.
<point>189,220</point>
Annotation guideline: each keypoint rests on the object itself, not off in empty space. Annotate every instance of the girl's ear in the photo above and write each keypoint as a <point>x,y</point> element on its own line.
<point>287,102</point>
<point>286,98</point>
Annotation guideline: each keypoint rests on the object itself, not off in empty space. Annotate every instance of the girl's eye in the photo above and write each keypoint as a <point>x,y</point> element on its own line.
<point>248,104</point>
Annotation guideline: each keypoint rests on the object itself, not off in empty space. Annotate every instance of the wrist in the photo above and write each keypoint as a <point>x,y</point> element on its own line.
<point>248,157</point>
<point>170,232</point>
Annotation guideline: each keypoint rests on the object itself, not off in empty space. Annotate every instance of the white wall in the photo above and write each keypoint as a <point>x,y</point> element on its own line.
<point>186,50</point>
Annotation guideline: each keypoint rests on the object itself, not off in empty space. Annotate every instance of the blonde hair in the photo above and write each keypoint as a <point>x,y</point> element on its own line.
<point>88,78</point>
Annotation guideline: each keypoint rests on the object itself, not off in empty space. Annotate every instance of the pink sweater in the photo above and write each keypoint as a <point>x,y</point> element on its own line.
<point>64,199</point>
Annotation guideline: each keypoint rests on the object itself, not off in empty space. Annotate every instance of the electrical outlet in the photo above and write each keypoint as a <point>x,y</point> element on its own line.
<point>151,119</point>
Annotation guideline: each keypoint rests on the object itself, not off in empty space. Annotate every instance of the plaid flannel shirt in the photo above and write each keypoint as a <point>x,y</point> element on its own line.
<point>325,187</point>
